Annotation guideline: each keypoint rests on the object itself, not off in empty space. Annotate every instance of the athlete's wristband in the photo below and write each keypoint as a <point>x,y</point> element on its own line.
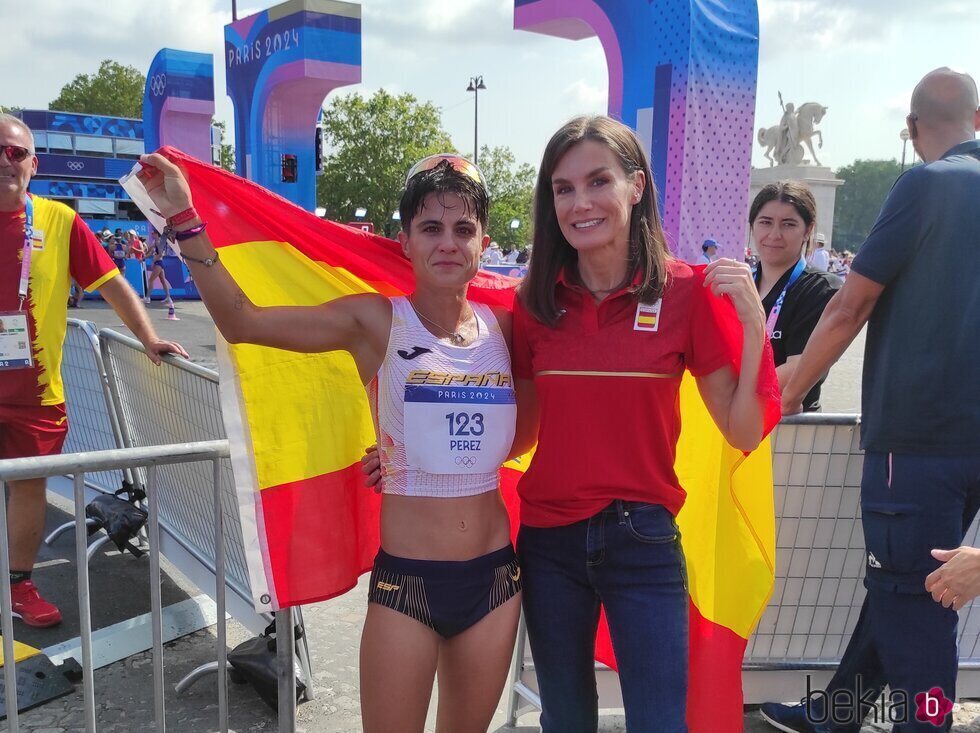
<point>188,233</point>
<point>185,215</point>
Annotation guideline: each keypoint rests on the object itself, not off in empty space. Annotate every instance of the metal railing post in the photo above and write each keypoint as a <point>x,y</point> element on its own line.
<point>285,644</point>
<point>219,599</point>
<point>156,602</point>
<point>7,620</point>
<point>84,603</point>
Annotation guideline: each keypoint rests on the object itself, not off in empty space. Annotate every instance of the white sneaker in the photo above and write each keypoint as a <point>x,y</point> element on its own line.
<point>146,300</point>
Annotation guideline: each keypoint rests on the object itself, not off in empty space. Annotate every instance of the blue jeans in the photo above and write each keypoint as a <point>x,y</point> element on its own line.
<point>627,558</point>
<point>909,505</point>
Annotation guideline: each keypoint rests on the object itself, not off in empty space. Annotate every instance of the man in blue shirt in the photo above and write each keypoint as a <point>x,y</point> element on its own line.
<point>920,426</point>
<point>709,252</point>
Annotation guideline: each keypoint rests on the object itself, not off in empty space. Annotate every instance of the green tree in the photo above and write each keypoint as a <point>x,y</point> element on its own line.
<point>371,143</point>
<point>226,151</point>
<point>511,193</point>
<point>866,184</point>
<point>114,90</point>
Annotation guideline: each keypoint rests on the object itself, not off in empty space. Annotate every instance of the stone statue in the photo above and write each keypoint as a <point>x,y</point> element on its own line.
<point>784,142</point>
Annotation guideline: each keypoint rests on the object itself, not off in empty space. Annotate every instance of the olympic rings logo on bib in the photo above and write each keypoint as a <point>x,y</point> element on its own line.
<point>466,461</point>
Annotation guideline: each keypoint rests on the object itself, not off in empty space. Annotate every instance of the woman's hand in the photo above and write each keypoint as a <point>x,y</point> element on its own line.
<point>734,279</point>
<point>371,468</point>
<point>166,185</point>
<point>957,581</point>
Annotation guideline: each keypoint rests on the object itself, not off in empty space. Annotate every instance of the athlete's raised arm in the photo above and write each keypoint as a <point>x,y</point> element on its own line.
<point>358,324</point>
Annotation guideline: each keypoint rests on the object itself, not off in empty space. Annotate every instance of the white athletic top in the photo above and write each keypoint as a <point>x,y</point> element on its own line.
<point>445,415</point>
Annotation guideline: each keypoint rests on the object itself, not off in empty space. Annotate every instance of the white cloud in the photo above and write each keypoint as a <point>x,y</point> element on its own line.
<point>841,27</point>
<point>587,97</point>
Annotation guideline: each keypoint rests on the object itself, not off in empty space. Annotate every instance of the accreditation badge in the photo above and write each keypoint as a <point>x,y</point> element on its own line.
<point>15,341</point>
<point>459,429</point>
<point>647,316</point>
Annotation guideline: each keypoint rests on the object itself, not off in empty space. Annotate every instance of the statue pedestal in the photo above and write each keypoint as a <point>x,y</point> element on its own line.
<point>819,179</point>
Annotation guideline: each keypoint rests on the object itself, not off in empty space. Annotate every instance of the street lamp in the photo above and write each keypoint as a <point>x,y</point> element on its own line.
<point>515,223</point>
<point>904,135</point>
<point>360,212</point>
<point>476,84</point>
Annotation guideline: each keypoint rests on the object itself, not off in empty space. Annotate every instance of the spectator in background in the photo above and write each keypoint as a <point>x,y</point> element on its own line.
<point>709,252</point>
<point>135,247</point>
<point>523,256</point>
<point>105,239</point>
<point>511,257</point>
<point>118,251</point>
<point>794,294</point>
<point>493,255</point>
<point>75,295</point>
<point>158,248</point>
<point>820,259</point>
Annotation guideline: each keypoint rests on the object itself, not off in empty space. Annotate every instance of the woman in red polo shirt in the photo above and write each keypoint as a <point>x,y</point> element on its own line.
<point>605,325</point>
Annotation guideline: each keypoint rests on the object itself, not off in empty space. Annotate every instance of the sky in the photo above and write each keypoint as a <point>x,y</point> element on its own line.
<point>860,58</point>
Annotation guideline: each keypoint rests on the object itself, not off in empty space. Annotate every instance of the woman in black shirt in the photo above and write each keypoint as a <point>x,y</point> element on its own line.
<point>782,219</point>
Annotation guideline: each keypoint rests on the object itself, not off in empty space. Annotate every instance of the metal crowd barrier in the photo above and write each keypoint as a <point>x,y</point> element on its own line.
<point>820,560</point>
<point>153,459</point>
<point>93,424</point>
<point>92,419</point>
<point>179,402</point>
<point>150,424</point>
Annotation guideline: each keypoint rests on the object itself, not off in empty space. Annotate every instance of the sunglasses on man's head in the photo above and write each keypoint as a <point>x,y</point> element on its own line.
<point>458,163</point>
<point>14,153</point>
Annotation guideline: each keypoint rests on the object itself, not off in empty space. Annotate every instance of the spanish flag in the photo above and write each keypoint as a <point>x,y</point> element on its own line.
<point>298,425</point>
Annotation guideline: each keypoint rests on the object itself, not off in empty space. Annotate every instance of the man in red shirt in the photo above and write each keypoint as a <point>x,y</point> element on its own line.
<point>57,247</point>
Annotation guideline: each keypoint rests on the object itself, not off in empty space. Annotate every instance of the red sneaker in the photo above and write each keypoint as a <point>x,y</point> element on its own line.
<point>31,608</point>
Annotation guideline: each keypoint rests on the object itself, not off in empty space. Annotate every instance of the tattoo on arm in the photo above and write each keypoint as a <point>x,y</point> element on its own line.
<point>239,300</point>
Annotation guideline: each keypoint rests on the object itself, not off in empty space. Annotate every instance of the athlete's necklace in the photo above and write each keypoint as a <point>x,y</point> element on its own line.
<point>455,337</point>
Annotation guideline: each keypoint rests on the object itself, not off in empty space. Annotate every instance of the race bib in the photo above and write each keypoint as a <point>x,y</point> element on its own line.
<point>15,342</point>
<point>459,429</point>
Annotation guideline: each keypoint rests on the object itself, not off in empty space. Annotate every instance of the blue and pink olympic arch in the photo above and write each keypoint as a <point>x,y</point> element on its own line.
<point>281,63</point>
<point>178,102</point>
<point>682,73</point>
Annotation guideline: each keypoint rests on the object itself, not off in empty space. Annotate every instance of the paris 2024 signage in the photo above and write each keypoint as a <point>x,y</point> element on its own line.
<point>280,65</point>
<point>682,73</point>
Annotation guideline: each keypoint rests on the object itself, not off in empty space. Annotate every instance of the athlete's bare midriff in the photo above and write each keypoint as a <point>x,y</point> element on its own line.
<point>429,528</point>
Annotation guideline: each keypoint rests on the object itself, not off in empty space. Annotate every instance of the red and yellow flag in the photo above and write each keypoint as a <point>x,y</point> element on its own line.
<point>298,425</point>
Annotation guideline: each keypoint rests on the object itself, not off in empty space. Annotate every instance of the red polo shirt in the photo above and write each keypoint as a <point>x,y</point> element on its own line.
<point>608,382</point>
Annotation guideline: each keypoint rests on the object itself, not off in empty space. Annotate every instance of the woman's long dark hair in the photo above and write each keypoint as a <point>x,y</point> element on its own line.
<point>648,253</point>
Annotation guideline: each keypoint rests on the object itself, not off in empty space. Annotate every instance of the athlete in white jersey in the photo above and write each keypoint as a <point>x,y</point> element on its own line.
<point>445,589</point>
<point>445,414</point>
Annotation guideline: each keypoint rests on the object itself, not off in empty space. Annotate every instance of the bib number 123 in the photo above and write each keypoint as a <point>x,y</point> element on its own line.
<point>465,423</point>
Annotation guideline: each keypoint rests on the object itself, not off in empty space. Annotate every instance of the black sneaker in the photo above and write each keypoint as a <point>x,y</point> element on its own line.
<point>793,718</point>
